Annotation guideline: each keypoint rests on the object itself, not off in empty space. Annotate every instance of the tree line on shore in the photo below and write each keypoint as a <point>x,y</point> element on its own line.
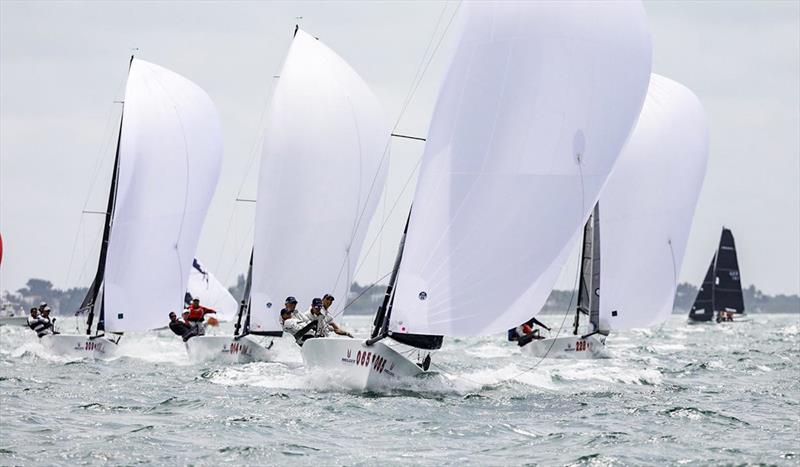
<point>365,299</point>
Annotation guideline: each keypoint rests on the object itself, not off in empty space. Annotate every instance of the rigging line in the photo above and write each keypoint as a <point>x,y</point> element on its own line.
<point>238,254</point>
<point>259,139</point>
<point>575,281</point>
<point>674,276</point>
<point>105,141</point>
<point>391,210</point>
<point>412,91</point>
<point>338,313</point>
<point>421,70</point>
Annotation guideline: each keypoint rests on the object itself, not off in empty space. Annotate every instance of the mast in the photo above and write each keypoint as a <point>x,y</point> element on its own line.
<point>384,314</point>
<point>90,301</point>
<point>244,305</point>
<point>381,322</point>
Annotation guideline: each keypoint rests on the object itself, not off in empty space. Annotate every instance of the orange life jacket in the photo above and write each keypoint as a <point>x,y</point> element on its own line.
<point>197,313</point>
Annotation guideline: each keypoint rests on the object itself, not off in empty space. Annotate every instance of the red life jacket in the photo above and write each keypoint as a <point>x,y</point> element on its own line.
<point>197,313</point>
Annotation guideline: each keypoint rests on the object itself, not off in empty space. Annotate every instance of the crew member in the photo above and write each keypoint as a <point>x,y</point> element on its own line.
<point>293,323</point>
<point>178,327</point>
<point>327,301</point>
<point>36,323</point>
<point>525,332</point>
<point>324,321</point>
<point>50,323</point>
<point>196,316</point>
<point>198,312</point>
<point>291,305</point>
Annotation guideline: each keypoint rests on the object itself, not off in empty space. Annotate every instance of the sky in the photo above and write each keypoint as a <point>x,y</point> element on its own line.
<point>63,66</point>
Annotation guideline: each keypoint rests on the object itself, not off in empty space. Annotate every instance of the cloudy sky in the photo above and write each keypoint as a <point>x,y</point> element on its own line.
<point>63,64</point>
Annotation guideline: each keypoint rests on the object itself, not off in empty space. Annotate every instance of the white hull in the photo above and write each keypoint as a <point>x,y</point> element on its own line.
<point>14,321</point>
<point>574,347</point>
<point>80,346</point>
<point>352,364</point>
<point>226,349</point>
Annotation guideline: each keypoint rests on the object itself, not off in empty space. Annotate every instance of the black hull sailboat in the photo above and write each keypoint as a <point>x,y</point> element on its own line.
<point>720,297</point>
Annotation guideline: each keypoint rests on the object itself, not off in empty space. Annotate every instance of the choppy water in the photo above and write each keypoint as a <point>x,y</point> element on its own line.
<point>724,394</point>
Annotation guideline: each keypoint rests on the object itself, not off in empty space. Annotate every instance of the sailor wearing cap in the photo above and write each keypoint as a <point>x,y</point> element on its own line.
<point>327,301</point>
<point>324,320</point>
<point>289,319</point>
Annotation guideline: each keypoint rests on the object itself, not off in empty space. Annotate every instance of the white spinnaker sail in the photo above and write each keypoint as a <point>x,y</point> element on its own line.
<point>647,207</point>
<point>169,160</point>
<point>322,173</point>
<point>534,110</point>
<point>212,294</point>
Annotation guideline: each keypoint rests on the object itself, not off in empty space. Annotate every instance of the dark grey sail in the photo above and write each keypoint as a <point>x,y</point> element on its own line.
<point>728,286</point>
<point>703,307</point>
<point>721,291</point>
<point>589,285</point>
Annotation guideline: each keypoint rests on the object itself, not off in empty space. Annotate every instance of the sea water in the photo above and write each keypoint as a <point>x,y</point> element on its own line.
<point>675,394</point>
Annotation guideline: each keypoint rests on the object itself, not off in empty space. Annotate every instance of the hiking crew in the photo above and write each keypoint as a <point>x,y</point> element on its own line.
<point>324,321</point>
<point>37,323</point>
<point>175,325</point>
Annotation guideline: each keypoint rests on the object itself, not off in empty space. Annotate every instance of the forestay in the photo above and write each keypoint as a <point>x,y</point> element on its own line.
<point>169,159</point>
<point>322,172</point>
<point>648,205</point>
<point>533,112</point>
<point>204,286</point>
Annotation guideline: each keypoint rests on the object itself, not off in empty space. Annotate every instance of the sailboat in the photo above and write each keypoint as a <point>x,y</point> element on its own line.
<point>322,172</point>
<point>166,167</point>
<point>528,124</point>
<point>634,243</point>
<point>720,297</point>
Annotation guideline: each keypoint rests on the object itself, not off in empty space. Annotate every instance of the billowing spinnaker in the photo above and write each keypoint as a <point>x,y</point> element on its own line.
<point>647,207</point>
<point>532,115</point>
<point>322,172</point>
<point>169,160</point>
<point>212,294</point>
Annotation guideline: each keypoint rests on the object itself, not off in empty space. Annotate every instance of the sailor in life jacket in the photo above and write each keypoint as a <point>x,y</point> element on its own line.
<point>324,321</point>
<point>197,312</point>
<point>37,324</point>
<point>50,323</point>
<point>289,322</point>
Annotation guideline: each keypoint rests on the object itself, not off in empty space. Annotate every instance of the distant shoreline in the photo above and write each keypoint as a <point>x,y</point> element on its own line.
<point>369,297</point>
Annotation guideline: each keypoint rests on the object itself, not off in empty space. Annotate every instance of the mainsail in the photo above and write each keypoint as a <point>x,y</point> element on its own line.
<point>648,205</point>
<point>589,279</point>
<point>727,285</point>
<point>168,161</point>
<point>534,110</point>
<point>322,173</point>
<point>703,306</point>
<point>722,286</point>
